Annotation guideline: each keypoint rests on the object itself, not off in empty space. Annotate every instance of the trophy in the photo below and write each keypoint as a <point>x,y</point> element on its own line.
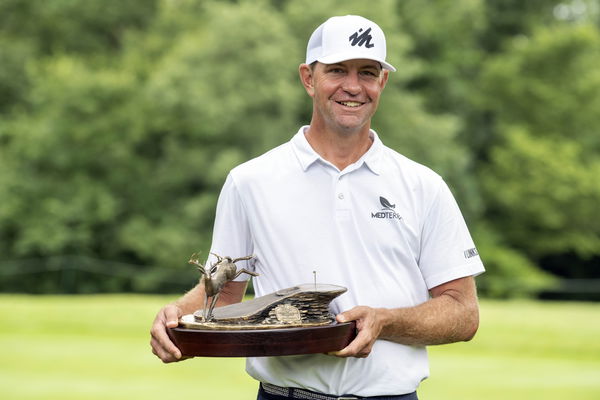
<point>290,321</point>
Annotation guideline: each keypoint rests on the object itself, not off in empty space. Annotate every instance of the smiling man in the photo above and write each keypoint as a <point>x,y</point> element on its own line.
<point>346,94</point>
<point>336,200</point>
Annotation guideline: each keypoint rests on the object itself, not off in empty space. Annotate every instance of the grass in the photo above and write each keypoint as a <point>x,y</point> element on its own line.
<point>523,350</point>
<point>97,347</point>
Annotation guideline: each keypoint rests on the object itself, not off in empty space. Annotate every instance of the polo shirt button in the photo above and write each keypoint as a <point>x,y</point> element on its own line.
<point>341,196</point>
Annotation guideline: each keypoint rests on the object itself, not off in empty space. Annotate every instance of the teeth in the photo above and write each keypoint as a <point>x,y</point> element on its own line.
<point>350,103</point>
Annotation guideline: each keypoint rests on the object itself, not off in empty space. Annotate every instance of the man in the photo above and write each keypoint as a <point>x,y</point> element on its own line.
<point>337,201</point>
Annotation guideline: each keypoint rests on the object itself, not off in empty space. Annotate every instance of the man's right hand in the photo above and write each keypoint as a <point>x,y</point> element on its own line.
<point>162,346</point>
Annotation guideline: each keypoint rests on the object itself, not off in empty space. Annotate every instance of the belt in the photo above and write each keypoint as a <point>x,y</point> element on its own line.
<point>297,393</point>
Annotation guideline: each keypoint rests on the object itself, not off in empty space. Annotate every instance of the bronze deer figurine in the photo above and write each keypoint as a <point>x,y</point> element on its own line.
<point>214,278</point>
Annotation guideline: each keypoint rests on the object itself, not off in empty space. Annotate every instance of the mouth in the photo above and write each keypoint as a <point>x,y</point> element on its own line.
<point>351,104</point>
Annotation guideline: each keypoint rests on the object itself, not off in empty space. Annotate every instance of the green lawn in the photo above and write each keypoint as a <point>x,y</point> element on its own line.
<point>97,347</point>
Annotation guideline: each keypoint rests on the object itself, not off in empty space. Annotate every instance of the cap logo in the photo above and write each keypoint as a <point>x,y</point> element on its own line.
<point>364,38</point>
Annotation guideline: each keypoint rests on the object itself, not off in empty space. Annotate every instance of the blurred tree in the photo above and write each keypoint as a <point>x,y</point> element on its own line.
<point>550,84</point>
<point>124,160</point>
<point>219,95</point>
<point>14,55</point>
<point>73,26</point>
<point>120,120</point>
<point>507,19</point>
<point>448,47</point>
<point>550,189</point>
<point>542,183</point>
<point>56,160</point>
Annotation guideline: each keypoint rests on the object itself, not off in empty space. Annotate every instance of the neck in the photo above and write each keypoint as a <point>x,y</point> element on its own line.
<point>339,148</point>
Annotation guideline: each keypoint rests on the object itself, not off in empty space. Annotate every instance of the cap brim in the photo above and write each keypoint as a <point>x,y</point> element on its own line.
<point>335,58</point>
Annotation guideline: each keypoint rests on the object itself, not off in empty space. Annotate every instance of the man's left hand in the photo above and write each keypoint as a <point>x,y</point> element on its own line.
<point>368,324</point>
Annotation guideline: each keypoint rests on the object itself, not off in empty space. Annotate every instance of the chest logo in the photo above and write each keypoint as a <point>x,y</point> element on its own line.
<point>387,211</point>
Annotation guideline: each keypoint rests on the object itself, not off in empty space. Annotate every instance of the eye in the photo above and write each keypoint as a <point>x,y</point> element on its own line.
<point>370,73</point>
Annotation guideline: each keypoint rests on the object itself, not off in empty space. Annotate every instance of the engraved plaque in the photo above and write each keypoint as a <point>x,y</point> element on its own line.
<point>287,314</point>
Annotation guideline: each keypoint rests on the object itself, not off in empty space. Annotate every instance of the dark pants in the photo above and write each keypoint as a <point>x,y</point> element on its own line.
<point>262,395</point>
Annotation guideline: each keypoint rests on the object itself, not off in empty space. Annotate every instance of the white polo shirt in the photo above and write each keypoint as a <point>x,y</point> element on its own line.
<point>385,227</point>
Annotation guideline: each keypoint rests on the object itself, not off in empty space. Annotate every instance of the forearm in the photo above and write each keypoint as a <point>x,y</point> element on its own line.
<point>440,320</point>
<point>451,315</point>
<point>192,300</point>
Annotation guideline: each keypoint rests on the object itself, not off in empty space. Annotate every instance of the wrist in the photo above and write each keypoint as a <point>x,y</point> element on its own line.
<point>384,321</point>
<point>390,323</point>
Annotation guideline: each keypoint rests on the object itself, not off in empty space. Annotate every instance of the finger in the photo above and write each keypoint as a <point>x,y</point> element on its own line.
<point>353,314</point>
<point>348,352</point>
<point>346,316</point>
<point>360,352</point>
<point>359,347</point>
<point>162,353</point>
<point>341,318</point>
<point>165,355</point>
<point>169,347</point>
<point>172,315</point>
<point>162,340</point>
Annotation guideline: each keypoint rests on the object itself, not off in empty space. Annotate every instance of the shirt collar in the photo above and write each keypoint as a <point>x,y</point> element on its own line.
<point>307,155</point>
<point>304,152</point>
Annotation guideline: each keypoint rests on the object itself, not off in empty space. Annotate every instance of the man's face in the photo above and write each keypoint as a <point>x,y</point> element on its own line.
<point>346,94</point>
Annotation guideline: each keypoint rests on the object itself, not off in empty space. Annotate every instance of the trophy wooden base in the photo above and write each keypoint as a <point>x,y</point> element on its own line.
<point>263,342</point>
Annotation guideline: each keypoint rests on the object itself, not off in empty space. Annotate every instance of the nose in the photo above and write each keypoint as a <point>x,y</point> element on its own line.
<point>351,84</point>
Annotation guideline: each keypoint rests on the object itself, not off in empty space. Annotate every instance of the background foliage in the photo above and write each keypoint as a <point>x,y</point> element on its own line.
<point>120,120</point>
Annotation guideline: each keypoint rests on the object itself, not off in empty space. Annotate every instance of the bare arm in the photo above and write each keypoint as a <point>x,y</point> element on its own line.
<point>168,316</point>
<point>451,315</point>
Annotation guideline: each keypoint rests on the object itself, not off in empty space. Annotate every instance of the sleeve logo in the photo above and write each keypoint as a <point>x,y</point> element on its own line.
<point>471,253</point>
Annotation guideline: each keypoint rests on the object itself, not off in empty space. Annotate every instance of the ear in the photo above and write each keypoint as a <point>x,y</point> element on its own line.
<point>306,77</point>
<point>384,78</point>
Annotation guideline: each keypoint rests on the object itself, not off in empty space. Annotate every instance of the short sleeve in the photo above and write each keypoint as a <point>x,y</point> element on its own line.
<point>447,249</point>
<point>231,233</point>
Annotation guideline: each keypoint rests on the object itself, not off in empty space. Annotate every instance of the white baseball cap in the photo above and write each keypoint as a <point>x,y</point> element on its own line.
<point>347,38</point>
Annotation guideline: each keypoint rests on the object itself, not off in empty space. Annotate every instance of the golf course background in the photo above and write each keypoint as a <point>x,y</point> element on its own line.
<point>120,120</point>
<point>97,347</point>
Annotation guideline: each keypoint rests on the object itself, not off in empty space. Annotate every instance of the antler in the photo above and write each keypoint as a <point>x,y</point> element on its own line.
<point>243,258</point>
<point>219,258</point>
<point>194,260</point>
